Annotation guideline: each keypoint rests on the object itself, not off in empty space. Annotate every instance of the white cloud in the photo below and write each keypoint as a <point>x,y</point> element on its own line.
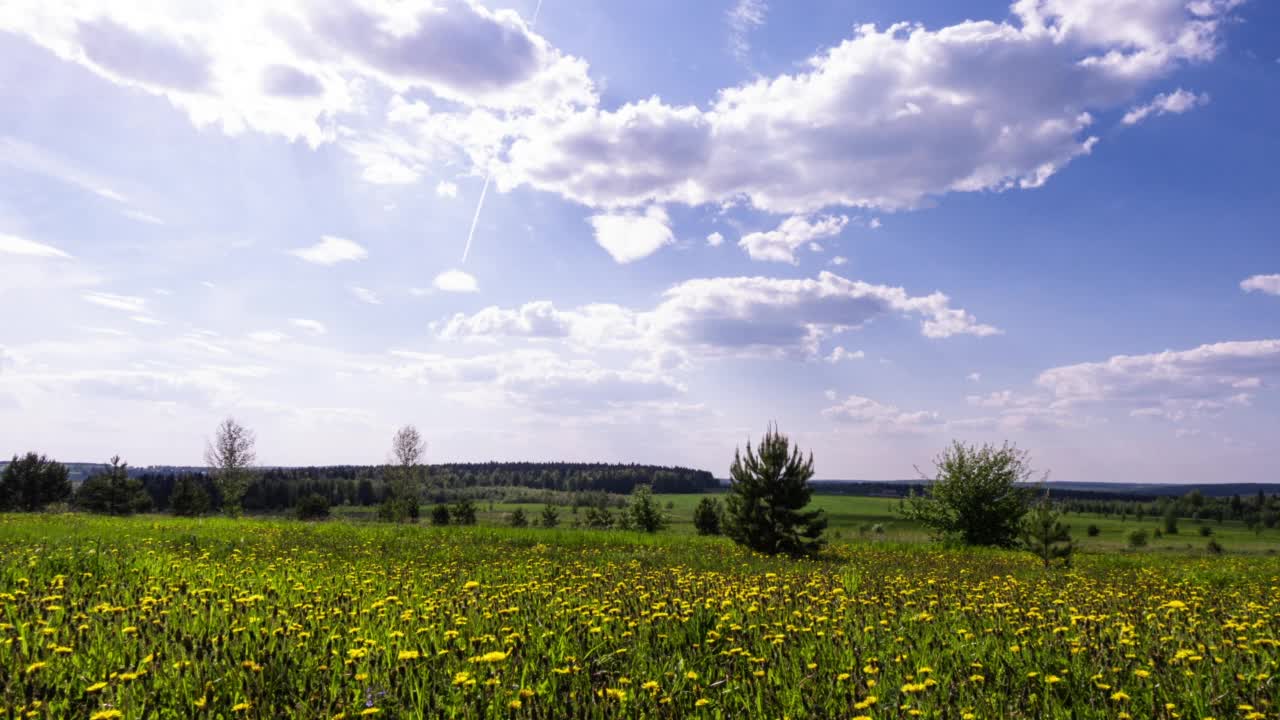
<point>299,69</point>
<point>267,336</point>
<point>886,119</point>
<point>863,411</point>
<point>780,245</point>
<point>14,245</point>
<point>446,189</point>
<point>147,320</point>
<point>715,239</point>
<point>1174,103</point>
<point>1206,378</point>
<point>839,353</point>
<point>628,237</point>
<point>330,251</point>
<point>141,216</point>
<point>974,377</point>
<point>874,224</point>
<point>1269,284</point>
<point>838,260</point>
<point>314,327</point>
<point>127,303</point>
<point>542,381</point>
<point>455,281</point>
<point>742,316</point>
<point>744,16</point>
<point>365,295</point>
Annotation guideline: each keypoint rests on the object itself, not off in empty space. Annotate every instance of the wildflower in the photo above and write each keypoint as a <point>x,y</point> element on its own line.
<point>370,711</point>
<point>490,657</point>
<point>1119,696</point>
<point>702,702</point>
<point>95,687</point>
<point>106,715</point>
<point>408,655</point>
<point>35,666</point>
<point>691,675</point>
<point>240,707</point>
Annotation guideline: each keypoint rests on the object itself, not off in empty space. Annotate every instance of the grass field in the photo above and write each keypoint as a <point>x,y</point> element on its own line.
<point>164,617</point>
<point>851,519</point>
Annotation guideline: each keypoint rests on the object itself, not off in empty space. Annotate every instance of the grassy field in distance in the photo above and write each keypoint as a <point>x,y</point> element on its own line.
<point>850,519</point>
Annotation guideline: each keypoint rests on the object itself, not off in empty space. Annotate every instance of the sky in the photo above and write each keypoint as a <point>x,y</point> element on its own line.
<point>640,232</point>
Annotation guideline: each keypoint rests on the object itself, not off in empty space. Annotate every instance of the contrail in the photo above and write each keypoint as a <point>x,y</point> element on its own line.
<point>489,173</point>
<point>476,219</point>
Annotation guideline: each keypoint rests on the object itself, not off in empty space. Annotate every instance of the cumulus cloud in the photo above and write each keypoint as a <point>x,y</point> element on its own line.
<point>297,68</point>
<point>888,118</point>
<point>14,245</point>
<point>1269,284</point>
<point>780,245</point>
<point>863,411</point>
<point>726,316</point>
<point>1174,103</point>
<point>628,237</point>
<point>885,119</point>
<point>455,281</point>
<point>331,250</point>
<point>542,380</point>
<point>314,327</point>
<point>840,354</point>
<point>715,239</point>
<point>446,189</point>
<point>1207,378</point>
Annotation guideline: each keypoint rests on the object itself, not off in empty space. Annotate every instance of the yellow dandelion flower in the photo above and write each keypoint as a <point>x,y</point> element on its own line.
<point>95,687</point>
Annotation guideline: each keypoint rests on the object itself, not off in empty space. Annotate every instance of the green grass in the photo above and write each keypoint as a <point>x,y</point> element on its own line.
<point>850,519</point>
<point>213,618</point>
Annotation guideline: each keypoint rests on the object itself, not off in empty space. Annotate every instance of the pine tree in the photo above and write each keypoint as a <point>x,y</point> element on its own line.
<point>550,516</point>
<point>463,512</point>
<point>644,512</point>
<point>518,518</point>
<point>768,490</point>
<point>189,497</point>
<point>33,481</point>
<point>113,492</point>
<point>706,516</point>
<point>1045,536</point>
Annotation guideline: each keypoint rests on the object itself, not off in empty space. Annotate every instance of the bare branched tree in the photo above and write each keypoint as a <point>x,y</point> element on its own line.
<point>408,446</point>
<point>404,480</point>
<point>229,457</point>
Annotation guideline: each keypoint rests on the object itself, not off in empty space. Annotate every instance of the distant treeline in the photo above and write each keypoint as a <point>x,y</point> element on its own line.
<point>276,489</point>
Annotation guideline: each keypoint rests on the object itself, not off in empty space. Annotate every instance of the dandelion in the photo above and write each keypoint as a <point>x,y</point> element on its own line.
<point>408,655</point>
<point>106,715</point>
<point>702,702</point>
<point>95,687</point>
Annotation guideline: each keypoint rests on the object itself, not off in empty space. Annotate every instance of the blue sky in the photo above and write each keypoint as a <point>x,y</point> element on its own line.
<point>882,224</point>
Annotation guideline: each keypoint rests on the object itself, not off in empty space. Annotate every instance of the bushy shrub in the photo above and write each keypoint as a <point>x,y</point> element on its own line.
<point>1093,530</point>
<point>440,515</point>
<point>313,506</point>
<point>1138,539</point>
<point>707,516</point>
